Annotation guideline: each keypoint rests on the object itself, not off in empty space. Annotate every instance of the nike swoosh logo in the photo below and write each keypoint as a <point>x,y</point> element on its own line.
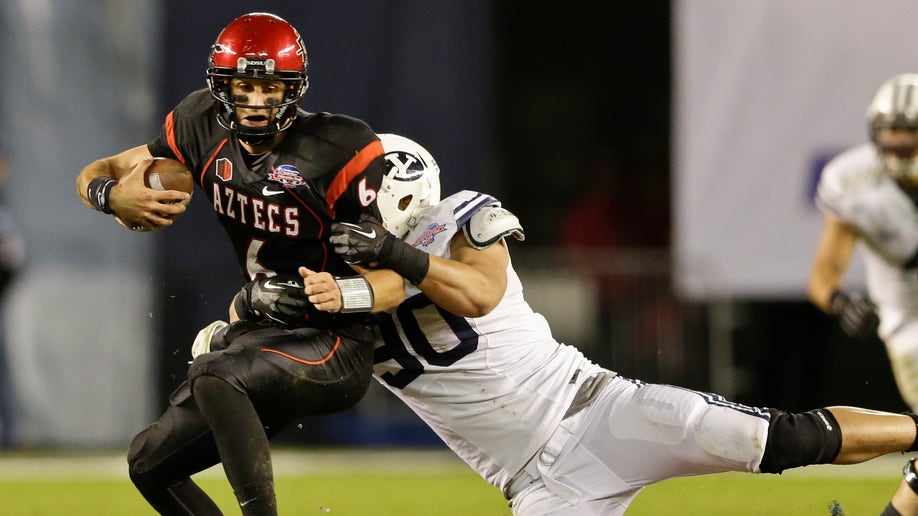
<point>272,286</point>
<point>371,234</point>
<point>280,286</point>
<point>243,504</point>
<point>266,191</point>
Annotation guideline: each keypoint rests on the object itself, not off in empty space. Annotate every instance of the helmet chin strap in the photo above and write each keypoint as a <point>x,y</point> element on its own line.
<point>261,138</point>
<point>255,140</point>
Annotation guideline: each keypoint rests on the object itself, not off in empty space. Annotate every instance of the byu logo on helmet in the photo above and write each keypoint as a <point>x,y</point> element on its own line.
<point>404,166</point>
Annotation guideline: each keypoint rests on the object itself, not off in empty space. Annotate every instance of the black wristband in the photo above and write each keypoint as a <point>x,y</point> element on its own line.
<point>408,261</point>
<point>98,192</point>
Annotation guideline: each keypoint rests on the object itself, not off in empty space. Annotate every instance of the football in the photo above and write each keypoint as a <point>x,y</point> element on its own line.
<point>169,174</point>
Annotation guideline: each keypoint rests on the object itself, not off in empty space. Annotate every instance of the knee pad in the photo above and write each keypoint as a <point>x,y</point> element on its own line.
<point>219,365</point>
<point>800,439</point>
<point>731,434</point>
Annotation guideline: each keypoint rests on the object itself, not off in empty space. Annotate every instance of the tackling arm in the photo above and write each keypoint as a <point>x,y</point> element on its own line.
<point>470,283</point>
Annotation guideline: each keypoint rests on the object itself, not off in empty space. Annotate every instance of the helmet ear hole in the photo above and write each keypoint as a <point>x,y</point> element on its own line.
<point>405,201</point>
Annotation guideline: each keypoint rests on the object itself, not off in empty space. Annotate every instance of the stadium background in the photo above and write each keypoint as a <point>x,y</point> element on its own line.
<point>703,120</point>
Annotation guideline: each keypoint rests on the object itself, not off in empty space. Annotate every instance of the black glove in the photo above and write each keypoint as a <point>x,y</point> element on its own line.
<point>856,315</point>
<point>279,299</point>
<point>367,243</point>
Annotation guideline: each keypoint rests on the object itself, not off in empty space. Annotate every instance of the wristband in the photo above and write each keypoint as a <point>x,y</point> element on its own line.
<point>356,294</point>
<point>410,262</point>
<point>98,192</point>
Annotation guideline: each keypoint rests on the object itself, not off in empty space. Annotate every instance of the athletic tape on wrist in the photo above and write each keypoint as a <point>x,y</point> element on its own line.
<point>98,192</point>
<point>356,294</point>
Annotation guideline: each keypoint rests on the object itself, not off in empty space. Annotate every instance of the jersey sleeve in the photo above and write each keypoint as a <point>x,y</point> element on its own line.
<point>352,189</point>
<point>855,191</point>
<point>188,130</point>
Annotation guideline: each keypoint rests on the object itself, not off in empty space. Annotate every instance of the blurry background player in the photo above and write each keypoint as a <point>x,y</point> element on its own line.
<point>555,432</point>
<point>276,177</point>
<point>869,194</point>
<point>12,258</point>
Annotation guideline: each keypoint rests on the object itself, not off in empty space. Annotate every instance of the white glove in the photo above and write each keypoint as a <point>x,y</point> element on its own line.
<point>201,343</point>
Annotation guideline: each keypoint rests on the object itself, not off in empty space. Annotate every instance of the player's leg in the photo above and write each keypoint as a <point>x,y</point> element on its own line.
<point>269,376</point>
<point>163,456</point>
<point>834,435</point>
<point>868,433</point>
<point>637,434</point>
<point>242,443</point>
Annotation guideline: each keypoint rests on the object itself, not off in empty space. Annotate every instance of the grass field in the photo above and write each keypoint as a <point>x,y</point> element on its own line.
<point>428,483</point>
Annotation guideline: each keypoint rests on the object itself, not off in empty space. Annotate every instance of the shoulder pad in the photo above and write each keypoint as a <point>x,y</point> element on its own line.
<point>490,224</point>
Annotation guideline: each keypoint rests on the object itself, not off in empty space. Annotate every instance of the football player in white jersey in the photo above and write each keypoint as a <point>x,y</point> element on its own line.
<point>869,194</point>
<point>555,432</point>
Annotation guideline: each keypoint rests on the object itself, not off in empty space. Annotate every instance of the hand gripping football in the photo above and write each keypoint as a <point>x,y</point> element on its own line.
<point>165,174</point>
<point>169,174</point>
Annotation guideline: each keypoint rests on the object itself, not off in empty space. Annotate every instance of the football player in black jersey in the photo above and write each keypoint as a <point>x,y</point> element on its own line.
<point>277,177</point>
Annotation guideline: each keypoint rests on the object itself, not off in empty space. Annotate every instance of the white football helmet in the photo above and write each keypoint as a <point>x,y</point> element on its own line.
<point>411,184</point>
<point>895,105</point>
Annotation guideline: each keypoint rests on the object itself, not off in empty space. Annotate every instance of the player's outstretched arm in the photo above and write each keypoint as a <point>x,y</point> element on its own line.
<point>115,185</point>
<point>471,282</point>
<point>856,314</point>
<point>326,292</point>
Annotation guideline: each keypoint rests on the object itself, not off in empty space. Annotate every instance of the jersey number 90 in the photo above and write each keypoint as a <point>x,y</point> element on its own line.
<point>395,348</point>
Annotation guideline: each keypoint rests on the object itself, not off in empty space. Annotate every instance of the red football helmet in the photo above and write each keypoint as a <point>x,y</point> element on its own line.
<point>257,46</point>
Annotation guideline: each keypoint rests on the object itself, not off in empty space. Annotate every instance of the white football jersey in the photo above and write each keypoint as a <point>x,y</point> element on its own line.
<point>493,388</point>
<point>854,188</point>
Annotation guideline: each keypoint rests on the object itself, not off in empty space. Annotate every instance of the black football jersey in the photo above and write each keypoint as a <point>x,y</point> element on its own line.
<point>277,207</point>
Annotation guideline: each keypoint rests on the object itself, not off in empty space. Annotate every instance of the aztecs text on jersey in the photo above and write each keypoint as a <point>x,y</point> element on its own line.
<point>276,207</point>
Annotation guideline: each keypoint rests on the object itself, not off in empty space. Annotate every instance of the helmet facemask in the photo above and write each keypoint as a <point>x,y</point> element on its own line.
<point>411,184</point>
<point>900,163</point>
<point>893,119</point>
